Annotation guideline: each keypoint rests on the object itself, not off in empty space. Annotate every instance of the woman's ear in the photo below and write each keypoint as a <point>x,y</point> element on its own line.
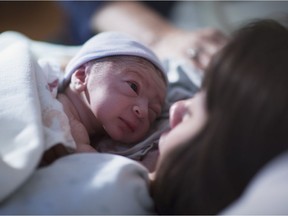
<point>79,79</point>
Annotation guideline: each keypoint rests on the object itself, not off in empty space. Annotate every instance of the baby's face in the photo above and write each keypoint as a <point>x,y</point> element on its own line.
<point>126,96</point>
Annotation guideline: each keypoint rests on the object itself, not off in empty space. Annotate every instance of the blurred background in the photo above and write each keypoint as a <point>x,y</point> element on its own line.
<point>47,21</point>
<point>40,20</point>
<point>226,15</point>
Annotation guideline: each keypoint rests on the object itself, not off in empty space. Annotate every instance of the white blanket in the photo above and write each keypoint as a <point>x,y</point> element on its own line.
<point>84,184</point>
<point>21,142</point>
<point>32,120</point>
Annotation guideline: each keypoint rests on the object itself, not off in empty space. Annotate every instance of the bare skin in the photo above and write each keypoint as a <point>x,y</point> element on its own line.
<point>78,130</point>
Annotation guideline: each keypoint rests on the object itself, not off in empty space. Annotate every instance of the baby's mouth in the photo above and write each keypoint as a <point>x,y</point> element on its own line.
<point>129,125</point>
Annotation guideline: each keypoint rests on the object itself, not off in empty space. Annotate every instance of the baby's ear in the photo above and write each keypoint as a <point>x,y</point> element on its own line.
<point>78,79</point>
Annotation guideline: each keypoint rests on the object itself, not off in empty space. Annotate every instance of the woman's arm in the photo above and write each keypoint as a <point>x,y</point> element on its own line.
<point>159,34</point>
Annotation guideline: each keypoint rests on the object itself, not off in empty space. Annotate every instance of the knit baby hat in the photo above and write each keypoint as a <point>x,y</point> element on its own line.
<point>110,44</point>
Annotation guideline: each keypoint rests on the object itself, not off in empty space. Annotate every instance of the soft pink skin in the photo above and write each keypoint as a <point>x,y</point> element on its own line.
<point>187,118</point>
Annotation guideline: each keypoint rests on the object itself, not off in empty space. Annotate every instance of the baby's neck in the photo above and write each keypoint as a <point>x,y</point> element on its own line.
<point>82,113</point>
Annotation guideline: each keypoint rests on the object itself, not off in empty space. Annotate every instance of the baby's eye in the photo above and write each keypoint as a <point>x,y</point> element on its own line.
<point>133,86</point>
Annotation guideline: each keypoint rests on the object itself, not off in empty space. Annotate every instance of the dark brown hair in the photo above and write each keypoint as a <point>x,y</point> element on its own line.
<point>247,105</point>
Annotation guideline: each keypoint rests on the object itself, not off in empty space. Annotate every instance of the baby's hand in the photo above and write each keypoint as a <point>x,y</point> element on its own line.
<point>81,148</point>
<point>55,152</point>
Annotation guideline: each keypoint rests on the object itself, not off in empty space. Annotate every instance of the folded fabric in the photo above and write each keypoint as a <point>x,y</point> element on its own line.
<point>32,120</point>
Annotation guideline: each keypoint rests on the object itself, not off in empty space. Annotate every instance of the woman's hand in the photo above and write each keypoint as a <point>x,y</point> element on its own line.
<point>196,47</point>
<point>164,38</point>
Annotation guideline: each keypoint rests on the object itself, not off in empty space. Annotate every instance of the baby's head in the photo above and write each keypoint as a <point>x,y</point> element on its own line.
<point>121,81</point>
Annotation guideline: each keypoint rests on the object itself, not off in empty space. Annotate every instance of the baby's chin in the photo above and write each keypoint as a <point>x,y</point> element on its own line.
<point>121,136</point>
<point>137,137</point>
<point>128,140</point>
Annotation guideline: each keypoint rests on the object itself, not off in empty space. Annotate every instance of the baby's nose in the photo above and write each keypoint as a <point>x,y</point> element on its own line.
<point>140,111</point>
<point>176,113</point>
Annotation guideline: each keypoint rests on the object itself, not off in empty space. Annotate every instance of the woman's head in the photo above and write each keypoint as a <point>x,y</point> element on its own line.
<point>247,120</point>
